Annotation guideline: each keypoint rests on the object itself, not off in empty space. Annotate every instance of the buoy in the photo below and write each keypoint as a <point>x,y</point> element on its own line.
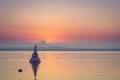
<point>20,70</point>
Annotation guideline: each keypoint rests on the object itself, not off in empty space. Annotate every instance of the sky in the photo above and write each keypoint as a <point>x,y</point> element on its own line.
<point>84,23</point>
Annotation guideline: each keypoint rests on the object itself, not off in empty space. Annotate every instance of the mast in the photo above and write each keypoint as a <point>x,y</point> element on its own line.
<point>35,51</point>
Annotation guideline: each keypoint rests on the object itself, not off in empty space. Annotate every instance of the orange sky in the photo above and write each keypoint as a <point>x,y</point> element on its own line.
<point>60,21</point>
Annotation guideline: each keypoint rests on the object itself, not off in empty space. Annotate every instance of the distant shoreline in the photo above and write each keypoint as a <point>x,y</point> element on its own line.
<point>61,50</point>
<point>57,49</point>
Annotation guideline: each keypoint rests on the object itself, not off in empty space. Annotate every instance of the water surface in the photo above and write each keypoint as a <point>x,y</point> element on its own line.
<point>61,65</point>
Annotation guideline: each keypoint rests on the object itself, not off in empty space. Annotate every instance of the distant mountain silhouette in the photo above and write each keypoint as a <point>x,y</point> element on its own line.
<point>57,48</point>
<point>43,46</point>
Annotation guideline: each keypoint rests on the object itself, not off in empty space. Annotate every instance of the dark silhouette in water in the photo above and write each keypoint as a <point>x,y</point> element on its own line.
<point>20,70</point>
<point>35,61</point>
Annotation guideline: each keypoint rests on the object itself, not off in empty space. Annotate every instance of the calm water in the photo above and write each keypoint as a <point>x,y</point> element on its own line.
<point>61,65</point>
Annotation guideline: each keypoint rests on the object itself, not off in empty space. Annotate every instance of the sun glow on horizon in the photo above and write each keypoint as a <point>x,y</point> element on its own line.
<point>64,21</point>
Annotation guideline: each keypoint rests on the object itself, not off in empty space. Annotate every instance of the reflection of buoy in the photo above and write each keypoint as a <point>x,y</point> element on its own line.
<point>20,70</point>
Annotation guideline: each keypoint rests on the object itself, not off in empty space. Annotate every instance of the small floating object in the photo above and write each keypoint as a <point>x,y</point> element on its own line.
<point>20,70</point>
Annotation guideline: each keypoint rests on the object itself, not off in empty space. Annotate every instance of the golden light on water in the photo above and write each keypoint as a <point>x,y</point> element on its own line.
<point>61,65</point>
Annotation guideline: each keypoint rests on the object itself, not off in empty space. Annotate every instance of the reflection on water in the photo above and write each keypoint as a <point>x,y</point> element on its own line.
<point>61,65</point>
<point>35,68</point>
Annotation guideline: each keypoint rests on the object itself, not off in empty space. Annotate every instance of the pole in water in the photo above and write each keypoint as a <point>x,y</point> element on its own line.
<point>35,61</point>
